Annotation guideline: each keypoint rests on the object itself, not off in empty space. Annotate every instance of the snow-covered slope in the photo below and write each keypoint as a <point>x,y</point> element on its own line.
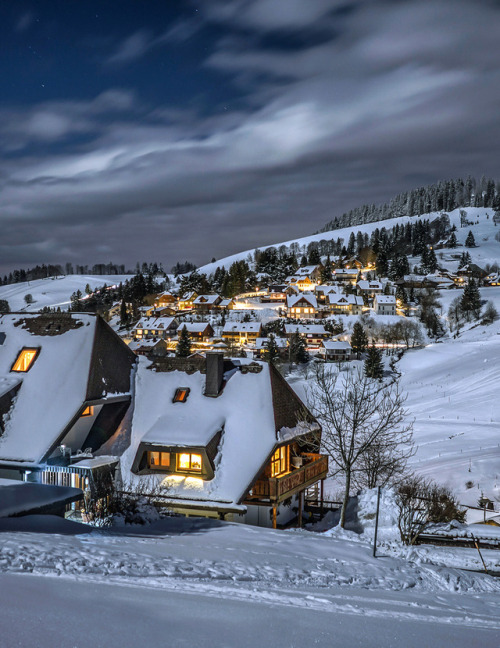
<point>54,291</point>
<point>484,231</point>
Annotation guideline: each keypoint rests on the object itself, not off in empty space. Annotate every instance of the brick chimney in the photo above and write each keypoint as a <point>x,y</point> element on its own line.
<point>215,374</point>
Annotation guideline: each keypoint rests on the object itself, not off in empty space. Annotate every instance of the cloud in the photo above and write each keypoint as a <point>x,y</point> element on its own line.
<point>24,21</point>
<point>396,95</point>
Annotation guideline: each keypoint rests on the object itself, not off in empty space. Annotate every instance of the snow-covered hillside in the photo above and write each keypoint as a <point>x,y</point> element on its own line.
<point>484,230</point>
<point>54,291</point>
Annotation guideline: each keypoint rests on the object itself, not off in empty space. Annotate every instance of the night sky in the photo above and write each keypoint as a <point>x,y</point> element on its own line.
<point>164,130</point>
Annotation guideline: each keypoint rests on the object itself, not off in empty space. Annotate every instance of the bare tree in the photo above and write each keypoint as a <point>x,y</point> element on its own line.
<point>364,423</point>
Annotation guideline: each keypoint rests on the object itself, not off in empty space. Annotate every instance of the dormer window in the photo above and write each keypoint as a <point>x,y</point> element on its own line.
<point>189,461</point>
<point>181,394</point>
<point>25,360</point>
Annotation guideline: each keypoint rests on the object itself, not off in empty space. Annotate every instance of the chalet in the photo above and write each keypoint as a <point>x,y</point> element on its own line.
<point>305,284</point>
<point>369,288</point>
<point>231,440</point>
<point>492,279</point>
<point>186,301</point>
<point>313,334</point>
<point>261,346</point>
<point>241,332</point>
<point>149,347</point>
<point>353,264</point>
<point>197,331</point>
<point>275,294</point>
<point>345,304</point>
<point>227,304</point>
<point>336,351</point>
<point>206,303</point>
<point>384,304</point>
<point>303,305</point>
<point>165,299</point>
<point>155,327</point>
<point>64,389</point>
<point>322,292</point>
<point>346,275</point>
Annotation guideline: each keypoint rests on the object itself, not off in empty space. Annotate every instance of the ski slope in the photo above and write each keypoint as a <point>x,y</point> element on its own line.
<point>53,291</point>
<point>484,230</point>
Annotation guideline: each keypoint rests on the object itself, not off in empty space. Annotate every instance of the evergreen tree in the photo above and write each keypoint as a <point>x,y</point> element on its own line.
<point>470,241</point>
<point>271,353</point>
<point>123,314</point>
<point>314,258</point>
<point>359,340</point>
<point>4,306</point>
<point>297,349</point>
<point>374,367</point>
<point>470,304</point>
<point>465,260</point>
<point>183,349</point>
<point>382,263</point>
<point>452,241</point>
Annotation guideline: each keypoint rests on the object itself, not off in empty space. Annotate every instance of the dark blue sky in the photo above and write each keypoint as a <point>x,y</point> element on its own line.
<point>168,130</point>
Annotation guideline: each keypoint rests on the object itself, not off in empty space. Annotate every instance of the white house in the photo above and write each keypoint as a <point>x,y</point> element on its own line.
<point>336,351</point>
<point>384,304</point>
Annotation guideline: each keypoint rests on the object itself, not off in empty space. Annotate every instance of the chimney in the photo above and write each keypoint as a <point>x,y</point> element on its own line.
<point>215,374</point>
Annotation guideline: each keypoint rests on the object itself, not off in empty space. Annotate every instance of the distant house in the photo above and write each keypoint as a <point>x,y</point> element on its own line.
<point>227,304</point>
<point>155,327</point>
<point>231,440</point>
<point>64,389</point>
<point>336,351</point>
<point>346,275</point>
<point>261,346</point>
<point>275,294</point>
<point>304,305</point>
<point>322,292</point>
<point>345,304</point>
<point>313,334</point>
<point>206,303</point>
<point>186,301</point>
<point>197,331</point>
<point>241,332</point>
<point>369,288</point>
<point>384,304</point>
<point>165,299</point>
<point>149,347</point>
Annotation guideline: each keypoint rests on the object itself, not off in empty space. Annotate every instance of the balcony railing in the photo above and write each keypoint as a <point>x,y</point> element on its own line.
<point>279,488</point>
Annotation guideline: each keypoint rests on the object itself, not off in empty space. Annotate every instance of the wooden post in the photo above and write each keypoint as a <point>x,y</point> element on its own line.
<point>274,516</point>
<point>301,503</point>
<point>322,497</point>
<point>376,524</point>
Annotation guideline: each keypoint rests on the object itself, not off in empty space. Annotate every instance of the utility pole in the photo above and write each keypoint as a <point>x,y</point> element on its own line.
<point>376,524</point>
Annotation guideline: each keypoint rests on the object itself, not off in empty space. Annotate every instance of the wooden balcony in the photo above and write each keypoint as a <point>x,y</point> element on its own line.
<point>277,489</point>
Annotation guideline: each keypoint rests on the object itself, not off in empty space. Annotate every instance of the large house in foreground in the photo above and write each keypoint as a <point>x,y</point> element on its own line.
<point>229,440</point>
<point>64,390</point>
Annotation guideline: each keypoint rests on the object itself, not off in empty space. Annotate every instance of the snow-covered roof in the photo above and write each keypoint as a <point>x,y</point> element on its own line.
<point>154,323</point>
<point>17,497</point>
<point>145,343</point>
<point>363,284</point>
<point>291,300</point>
<point>345,300</point>
<point>193,327</point>
<point>243,412</point>
<point>261,343</point>
<point>386,299</point>
<point>242,327</point>
<point>206,299</point>
<point>305,329</point>
<point>335,345</point>
<point>326,289</point>
<point>346,271</point>
<point>51,391</point>
<point>305,271</point>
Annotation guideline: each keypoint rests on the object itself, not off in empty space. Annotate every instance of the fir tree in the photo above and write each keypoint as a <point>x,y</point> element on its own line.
<point>359,341</point>
<point>470,241</point>
<point>183,349</point>
<point>123,314</point>
<point>374,367</point>
<point>470,304</point>
<point>452,242</point>
<point>271,354</point>
<point>4,306</point>
<point>297,350</point>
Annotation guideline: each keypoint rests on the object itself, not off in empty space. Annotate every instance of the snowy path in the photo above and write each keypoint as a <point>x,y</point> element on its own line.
<point>290,587</point>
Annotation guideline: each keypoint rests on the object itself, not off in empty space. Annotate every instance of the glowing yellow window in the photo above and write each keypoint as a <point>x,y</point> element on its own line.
<point>157,459</point>
<point>25,360</point>
<point>181,394</point>
<point>279,462</point>
<point>188,461</point>
<point>88,411</point>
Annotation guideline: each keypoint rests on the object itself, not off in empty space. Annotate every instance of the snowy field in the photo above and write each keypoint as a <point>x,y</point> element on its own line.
<point>219,584</point>
<point>54,291</point>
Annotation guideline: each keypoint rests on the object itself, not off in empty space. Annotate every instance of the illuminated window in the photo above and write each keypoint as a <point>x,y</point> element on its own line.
<point>188,461</point>
<point>25,360</point>
<point>181,394</point>
<point>279,462</point>
<point>88,411</point>
<point>158,459</point>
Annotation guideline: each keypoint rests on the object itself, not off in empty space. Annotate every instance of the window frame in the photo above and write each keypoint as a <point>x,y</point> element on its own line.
<point>32,362</point>
<point>279,461</point>
<point>88,411</point>
<point>181,394</point>
<point>161,459</point>
<point>190,468</point>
